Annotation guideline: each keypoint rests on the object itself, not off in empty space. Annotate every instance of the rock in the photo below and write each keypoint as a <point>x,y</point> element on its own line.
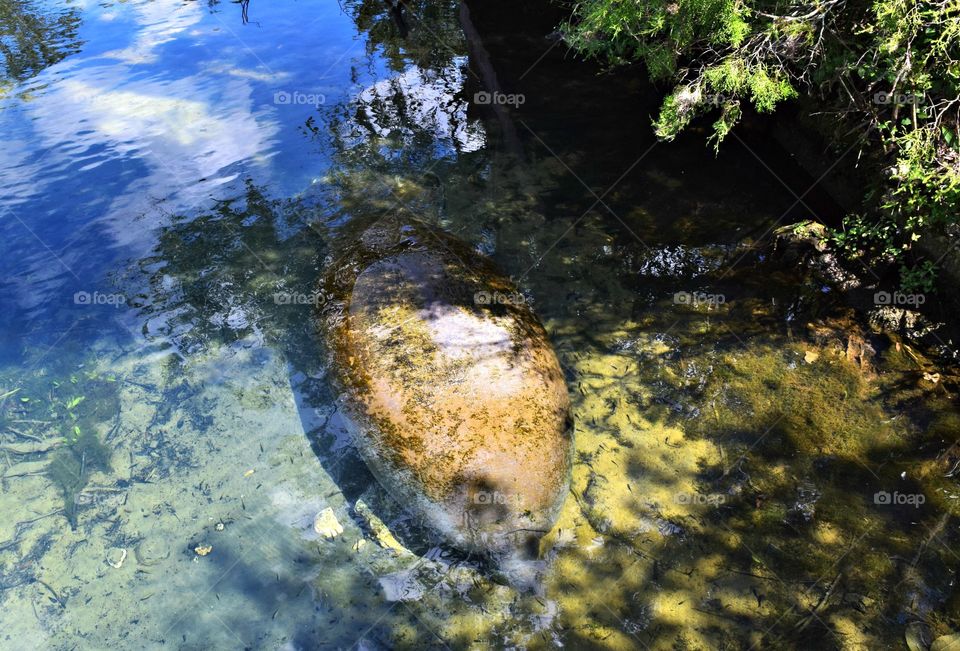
<point>811,234</point>
<point>447,379</point>
<point>861,353</point>
<point>327,525</point>
<point>805,244</point>
<point>896,319</point>
<point>805,508</point>
<point>402,586</point>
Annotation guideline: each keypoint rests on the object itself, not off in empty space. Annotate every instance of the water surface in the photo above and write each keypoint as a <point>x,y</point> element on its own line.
<point>177,174</point>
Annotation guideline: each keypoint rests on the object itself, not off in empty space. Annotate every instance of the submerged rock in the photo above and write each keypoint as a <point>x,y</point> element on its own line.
<point>454,394</point>
<point>326,524</point>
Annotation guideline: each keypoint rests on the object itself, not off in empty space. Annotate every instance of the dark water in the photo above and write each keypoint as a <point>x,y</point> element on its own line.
<point>755,466</point>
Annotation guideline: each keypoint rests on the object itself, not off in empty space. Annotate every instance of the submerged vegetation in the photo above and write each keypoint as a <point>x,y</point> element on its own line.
<point>879,77</point>
<point>61,415</point>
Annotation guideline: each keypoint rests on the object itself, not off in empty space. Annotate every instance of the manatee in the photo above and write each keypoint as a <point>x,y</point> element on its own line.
<point>450,386</point>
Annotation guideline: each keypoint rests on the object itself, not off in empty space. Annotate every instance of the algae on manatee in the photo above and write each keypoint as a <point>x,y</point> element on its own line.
<point>457,402</point>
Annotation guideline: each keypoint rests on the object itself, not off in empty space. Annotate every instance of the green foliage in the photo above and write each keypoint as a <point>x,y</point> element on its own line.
<point>865,238</point>
<point>919,278</point>
<point>888,69</point>
<point>654,32</point>
<point>80,405</point>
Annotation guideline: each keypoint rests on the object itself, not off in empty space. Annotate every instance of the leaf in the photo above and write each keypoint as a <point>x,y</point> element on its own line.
<point>75,401</point>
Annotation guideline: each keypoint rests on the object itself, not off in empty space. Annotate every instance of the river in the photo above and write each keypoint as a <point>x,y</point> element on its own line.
<point>755,466</point>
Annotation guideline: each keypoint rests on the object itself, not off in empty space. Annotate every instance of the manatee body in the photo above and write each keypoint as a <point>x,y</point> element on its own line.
<point>454,394</point>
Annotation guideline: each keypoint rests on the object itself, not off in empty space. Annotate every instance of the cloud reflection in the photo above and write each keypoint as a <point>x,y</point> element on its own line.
<point>104,154</point>
<point>425,98</point>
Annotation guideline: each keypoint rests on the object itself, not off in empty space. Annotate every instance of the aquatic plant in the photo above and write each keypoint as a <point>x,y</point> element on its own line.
<point>62,410</point>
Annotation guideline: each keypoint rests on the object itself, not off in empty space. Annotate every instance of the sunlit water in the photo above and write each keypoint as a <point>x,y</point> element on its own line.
<point>175,177</point>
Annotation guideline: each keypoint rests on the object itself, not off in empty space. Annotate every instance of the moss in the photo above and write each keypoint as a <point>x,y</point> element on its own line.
<point>819,408</point>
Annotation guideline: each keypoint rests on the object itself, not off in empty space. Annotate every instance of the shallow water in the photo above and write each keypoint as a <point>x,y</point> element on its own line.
<point>176,176</point>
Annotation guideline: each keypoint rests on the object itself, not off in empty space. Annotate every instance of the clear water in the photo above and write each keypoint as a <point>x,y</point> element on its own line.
<point>175,177</point>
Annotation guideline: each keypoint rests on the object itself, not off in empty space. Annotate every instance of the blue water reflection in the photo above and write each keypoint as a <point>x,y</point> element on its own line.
<point>166,109</point>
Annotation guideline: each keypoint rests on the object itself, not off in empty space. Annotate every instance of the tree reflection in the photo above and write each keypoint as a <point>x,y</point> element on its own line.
<point>215,276</point>
<point>33,38</point>
<point>404,32</point>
